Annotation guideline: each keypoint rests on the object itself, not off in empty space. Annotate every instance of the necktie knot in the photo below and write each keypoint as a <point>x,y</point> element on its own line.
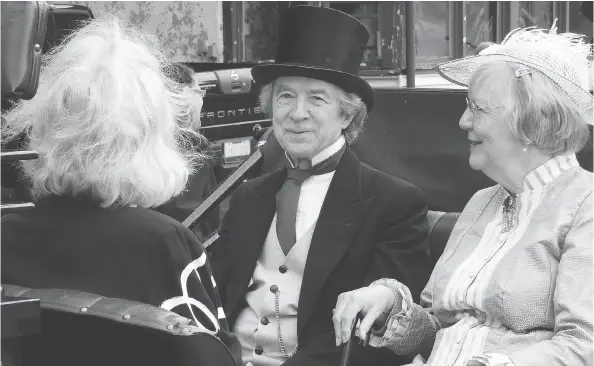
<point>298,175</point>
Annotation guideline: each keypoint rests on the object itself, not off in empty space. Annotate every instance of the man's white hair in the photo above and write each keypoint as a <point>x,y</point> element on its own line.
<point>107,120</point>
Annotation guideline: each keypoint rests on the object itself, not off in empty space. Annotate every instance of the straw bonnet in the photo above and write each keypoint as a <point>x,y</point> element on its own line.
<point>561,57</point>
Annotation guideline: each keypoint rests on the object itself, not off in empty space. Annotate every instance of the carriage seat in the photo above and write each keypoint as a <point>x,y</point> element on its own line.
<point>79,328</point>
<point>440,228</point>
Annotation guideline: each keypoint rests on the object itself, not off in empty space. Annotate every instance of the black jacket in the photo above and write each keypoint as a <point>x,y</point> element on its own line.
<point>371,226</point>
<point>131,253</point>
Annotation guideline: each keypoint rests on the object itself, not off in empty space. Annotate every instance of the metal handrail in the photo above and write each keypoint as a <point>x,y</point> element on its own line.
<point>19,155</point>
<point>15,206</point>
<point>409,19</point>
<point>211,239</point>
<point>234,179</point>
<point>223,190</point>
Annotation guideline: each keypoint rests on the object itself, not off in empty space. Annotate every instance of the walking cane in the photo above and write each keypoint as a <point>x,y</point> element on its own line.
<point>345,353</point>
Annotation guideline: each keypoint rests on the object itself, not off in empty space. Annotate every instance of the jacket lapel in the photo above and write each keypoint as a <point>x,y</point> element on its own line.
<point>259,205</point>
<point>341,215</point>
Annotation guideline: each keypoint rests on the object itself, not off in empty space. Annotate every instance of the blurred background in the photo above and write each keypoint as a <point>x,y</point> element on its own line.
<point>245,31</point>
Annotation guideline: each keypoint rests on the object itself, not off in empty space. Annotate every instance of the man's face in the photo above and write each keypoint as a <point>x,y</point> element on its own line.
<point>306,115</point>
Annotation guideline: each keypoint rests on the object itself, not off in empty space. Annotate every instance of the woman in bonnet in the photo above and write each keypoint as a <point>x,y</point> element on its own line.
<point>514,284</point>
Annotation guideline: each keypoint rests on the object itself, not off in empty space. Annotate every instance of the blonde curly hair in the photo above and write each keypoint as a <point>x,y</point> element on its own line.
<point>108,120</point>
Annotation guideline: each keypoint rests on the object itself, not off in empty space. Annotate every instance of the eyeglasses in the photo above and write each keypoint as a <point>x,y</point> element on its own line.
<point>474,108</point>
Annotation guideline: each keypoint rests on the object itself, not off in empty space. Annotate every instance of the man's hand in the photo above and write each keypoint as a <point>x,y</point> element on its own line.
<point>374,303</point>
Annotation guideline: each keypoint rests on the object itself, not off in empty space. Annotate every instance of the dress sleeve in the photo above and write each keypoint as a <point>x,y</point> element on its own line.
<point>410,328</point>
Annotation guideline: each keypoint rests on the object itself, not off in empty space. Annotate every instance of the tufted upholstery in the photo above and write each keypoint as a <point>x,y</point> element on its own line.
<point>79,328</point>
<point>440,228</point>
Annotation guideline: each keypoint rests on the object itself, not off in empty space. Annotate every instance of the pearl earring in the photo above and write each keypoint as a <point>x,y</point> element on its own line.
<point>525,148</point>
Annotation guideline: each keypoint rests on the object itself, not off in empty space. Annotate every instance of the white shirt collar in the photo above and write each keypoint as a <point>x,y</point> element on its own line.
<point>329,151</point>
<point>548,171</point>
<point>324,154</point>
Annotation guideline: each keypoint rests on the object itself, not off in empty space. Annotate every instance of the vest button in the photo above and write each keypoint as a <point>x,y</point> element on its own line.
<point>274,289</point>
<point>282,269</point>
<point>259,350</point>
<point>264,321</point>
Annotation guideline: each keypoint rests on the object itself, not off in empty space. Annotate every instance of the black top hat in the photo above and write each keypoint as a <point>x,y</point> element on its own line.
<point>319,43</point>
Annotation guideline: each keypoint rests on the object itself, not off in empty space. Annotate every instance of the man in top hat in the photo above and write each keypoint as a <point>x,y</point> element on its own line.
<point>293,240</point>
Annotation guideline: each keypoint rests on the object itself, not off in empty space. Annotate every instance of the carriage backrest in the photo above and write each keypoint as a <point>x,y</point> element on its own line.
<point>79,328</point>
